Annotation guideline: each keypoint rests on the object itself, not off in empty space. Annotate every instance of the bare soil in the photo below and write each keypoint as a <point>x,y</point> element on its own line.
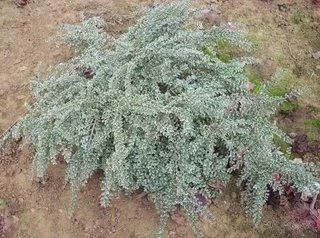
<point>285,36</point>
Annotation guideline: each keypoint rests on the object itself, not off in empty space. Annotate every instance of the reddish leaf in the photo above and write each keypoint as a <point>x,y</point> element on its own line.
<point>88,73</point>
<point>317,2</point>
<point>318,222</point>
<point>22,3</point>
<point>231,27</point>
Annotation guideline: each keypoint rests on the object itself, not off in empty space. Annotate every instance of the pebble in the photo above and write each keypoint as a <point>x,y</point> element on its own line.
<point>292,135</point>
<point>20,200</point>
<point>23,68</point>
<point>172,234</point>
<point>15,219</point>
<point>298,160</point>
<point>316,55</point>
<point>226,205</point>
<point>283,7</point>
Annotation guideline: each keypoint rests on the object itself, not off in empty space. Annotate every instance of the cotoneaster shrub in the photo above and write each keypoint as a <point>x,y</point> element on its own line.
<point>157,109</point>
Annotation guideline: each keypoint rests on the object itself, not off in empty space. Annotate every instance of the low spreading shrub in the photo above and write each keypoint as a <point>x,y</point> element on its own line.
<point>158,109</point>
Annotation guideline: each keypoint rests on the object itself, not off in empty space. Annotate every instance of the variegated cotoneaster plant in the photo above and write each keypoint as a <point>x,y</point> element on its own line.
<point>155,111</point>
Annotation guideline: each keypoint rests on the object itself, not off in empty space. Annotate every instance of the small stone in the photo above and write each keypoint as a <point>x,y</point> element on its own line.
<point>233,195</point>
<point>292,135</point>
<point>288,120</point>
<point>316,55</point>
<point>292,98</point>
<point>15,219</point>
<point>249,86</point>
<point>20,200</point>
<point>87,227</point>
<point>298,160</point>
<point>23,68</point>
<point>305,197</point>
<point>226,205</point>
<point>20,97</point>
<point>283,7</point>
<point>32,210</point>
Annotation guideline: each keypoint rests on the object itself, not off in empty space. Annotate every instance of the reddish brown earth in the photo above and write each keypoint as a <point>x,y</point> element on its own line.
<point>39,208</point>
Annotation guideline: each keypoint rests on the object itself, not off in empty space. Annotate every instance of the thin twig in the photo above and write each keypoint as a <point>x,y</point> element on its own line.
<point>290,51</point>
<point>92,130</point>
<point>313,211</point>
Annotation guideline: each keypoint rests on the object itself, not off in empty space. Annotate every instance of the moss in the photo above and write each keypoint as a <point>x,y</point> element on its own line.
<point>285,82</point>
<point>207,51</point>
<point>312,128</point>
<point>313,109</point>
<point>254,78</point>
<point>255,39</point>
<point>224,50</point>
<point>281,144</point>
<point>303,25</point>
<point>288,107</point>
<point>278,91</point>
<point>298,18</point>
<point>2,202</point>
<point>313,124</point>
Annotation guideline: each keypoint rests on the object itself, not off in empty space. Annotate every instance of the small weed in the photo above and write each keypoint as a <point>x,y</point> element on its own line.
<point>288,107</point>
<point>282,145</point>
<point>256,39</point>
<point>313,124</point>
<point>254,78</point>
<point>298,18</point>
<point>277,91</point>
<point>207,51</point>
<point>224,51</point>
<point>313,109</point>
<point>312,128</point>
<point>2,202</point>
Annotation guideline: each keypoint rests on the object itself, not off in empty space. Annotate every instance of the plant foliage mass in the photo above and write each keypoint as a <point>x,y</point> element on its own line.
<point>157,109</point>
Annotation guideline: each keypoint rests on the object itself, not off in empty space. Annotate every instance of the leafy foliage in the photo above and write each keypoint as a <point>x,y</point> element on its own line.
<point>160,111</point>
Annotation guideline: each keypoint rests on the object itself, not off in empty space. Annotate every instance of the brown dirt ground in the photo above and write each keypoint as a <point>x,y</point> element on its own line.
<point>39,208</point>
